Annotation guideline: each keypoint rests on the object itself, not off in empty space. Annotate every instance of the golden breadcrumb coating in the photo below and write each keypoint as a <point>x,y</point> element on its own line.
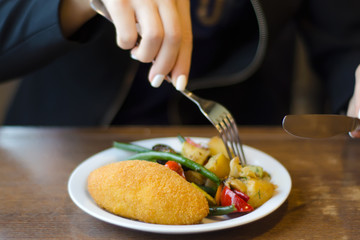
<point>148,192</point>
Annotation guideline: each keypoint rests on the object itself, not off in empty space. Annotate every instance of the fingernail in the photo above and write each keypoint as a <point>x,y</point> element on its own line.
<point>181,83</point>
<point>350,134</point>
<point>157,80</point>
<point>133,56</point>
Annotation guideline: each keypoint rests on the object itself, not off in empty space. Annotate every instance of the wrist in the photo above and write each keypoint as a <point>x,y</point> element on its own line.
<point>73,14</point>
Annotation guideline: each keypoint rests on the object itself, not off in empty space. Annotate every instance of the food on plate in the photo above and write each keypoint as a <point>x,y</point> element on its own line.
<point>216,146</point>
<point>259,191</point>
<point>147,191</point>
<point>172,187</point>
<point>219,164</point>
<point>251,180</point>
<point>195,152</point>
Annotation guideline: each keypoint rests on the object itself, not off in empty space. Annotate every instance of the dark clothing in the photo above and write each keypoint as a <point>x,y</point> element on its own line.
<point>243,57</point>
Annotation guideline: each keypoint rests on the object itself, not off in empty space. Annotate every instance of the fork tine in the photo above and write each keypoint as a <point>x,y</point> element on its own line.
<point>223,134</point>
<point>236,142</point>
<point>230,133</point>
<point>230,137</point>
<point>223,121</point>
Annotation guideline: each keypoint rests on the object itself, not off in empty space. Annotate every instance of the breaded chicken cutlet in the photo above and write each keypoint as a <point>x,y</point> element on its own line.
<point>147,191</point>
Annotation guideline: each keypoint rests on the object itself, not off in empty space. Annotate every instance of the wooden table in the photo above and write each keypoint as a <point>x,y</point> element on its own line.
<point>35,164</point>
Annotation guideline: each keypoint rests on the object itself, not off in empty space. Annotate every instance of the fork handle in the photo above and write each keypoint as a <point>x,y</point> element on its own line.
<point>197,100</point>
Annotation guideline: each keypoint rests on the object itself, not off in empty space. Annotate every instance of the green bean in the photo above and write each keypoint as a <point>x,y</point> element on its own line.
<point>153,155</point>
<point>221,210</point>
<point>130,147</point>
<point>181,138</point>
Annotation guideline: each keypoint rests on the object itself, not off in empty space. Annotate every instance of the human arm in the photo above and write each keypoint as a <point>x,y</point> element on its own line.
<point>35,32</point>
<point>74,14</point>
<point>30,36</point>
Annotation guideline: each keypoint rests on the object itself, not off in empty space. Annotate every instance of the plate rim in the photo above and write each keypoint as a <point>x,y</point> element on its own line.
<point>172,229</point>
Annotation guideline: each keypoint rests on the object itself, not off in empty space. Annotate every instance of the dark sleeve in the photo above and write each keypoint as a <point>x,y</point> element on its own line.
<point>331,30</point>
<point>30,36</point>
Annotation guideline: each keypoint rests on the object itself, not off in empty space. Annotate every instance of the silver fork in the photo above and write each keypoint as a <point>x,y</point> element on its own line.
<point>222,119</point>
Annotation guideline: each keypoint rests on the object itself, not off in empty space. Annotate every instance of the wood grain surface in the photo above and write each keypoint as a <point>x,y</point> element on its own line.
<point>35,165</point>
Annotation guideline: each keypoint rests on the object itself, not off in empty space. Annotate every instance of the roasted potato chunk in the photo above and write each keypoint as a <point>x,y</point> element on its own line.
<point>219,164</point>
<point>259,191</point>
<point>197,154</point>
<point>216,145</point>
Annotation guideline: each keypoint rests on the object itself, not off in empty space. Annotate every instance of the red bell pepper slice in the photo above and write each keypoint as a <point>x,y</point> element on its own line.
<point>242,195</point>
<point>229,197</point>
<point>175,167</point>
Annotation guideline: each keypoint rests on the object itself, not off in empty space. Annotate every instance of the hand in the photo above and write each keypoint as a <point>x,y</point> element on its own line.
<point>354,104</point>
<point>166,35</point>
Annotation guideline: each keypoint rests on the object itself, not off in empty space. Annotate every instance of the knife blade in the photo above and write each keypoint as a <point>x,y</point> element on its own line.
<point>319,125</point>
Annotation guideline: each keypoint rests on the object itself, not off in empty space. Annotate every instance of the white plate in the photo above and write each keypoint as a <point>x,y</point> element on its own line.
<point>77,187</point>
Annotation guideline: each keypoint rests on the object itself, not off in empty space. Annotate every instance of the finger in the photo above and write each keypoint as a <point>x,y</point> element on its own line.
<point>151,31</point>
<point>357,73</point>
<point>169,50</point>
<point>124,20</point>
<point>356,95</point>
<point>354,105</point>
<point>181,69</point>
<point>355,134</point>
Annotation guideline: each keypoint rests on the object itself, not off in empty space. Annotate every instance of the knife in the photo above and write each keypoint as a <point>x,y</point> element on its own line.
<point>319,125</point>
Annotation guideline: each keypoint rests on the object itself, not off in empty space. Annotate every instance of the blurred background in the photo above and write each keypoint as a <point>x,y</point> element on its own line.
<point>7,90</point>
<point>306,97</point>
